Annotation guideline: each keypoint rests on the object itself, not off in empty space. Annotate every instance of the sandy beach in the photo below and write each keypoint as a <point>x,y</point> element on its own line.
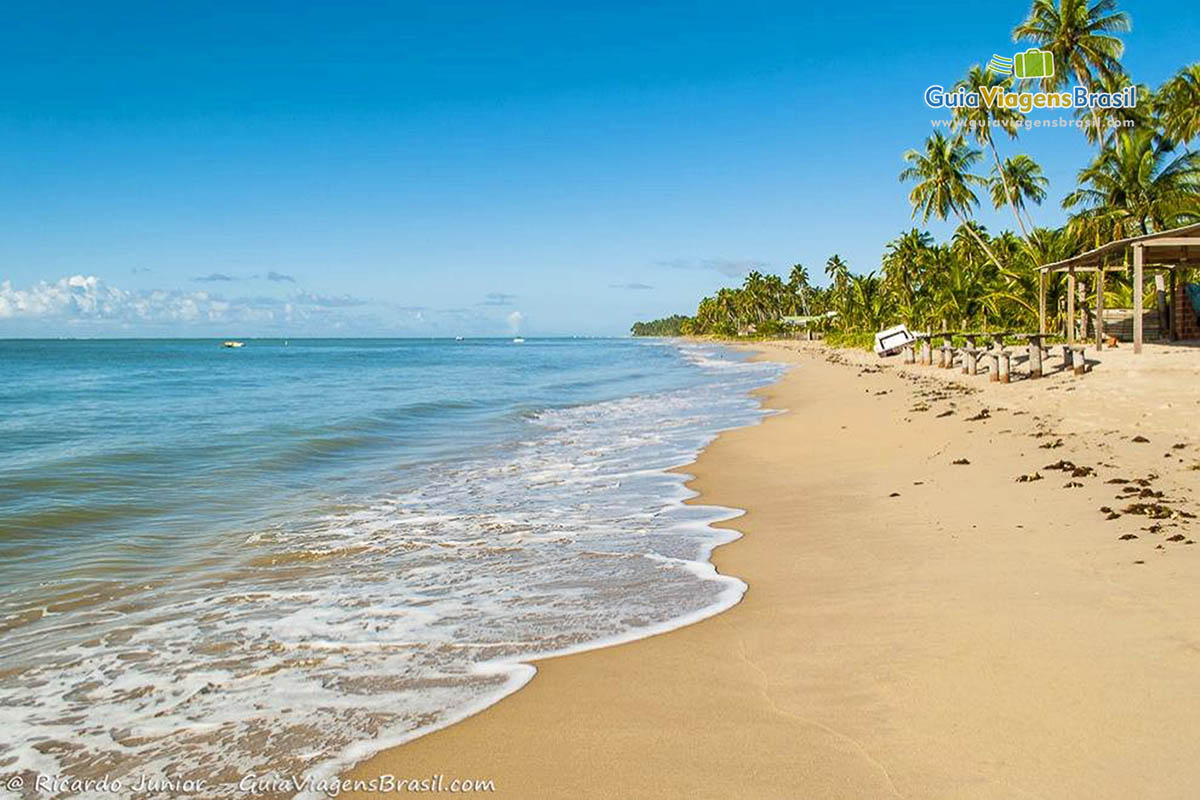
<point>956,590</point>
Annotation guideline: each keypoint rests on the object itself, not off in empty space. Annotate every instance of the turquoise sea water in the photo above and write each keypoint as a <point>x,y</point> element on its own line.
<point>209,556</point>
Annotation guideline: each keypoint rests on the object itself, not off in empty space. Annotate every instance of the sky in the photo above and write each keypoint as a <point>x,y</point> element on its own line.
<point>471,168</point>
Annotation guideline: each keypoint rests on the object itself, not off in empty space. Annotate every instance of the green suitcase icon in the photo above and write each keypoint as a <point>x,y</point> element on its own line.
<point>1034,63</point>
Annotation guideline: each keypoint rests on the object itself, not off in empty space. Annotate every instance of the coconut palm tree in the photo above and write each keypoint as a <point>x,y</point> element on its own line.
<point>800,288</point>
<point>839,276</point>
<point>867,302</point>
<point>1019,180</point>
<point>905,263</point>
<point>1179,105</point>
<point>944,180</point>
<point>1080,36</point>
<point>837,271</point>
<point>1135,186</point>
<point>1107,121</point>
<point>981,120</point>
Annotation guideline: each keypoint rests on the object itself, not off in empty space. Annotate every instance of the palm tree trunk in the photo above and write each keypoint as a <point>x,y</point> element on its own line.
<point>1029,218</point>
<point>1008,191</point>
<point>979,239</point>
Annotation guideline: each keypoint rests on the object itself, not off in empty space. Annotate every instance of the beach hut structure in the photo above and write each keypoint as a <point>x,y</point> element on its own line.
<point>1163,251</point>
<point>808,323</point>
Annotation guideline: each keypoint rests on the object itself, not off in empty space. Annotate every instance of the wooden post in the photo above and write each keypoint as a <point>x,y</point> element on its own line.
<point>1100,308</point>
<point>1085,318</point>
<point>1035,357</point>
<point>994,372</point>
<point>1005,364</point>
<point>1172,311</point>
<point>1138,278</point>
<point>1071,305</point>
<point>1160,300</point>
<point>1042,277</point>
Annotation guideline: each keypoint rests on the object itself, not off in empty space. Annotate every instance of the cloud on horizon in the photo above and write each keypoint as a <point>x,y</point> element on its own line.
<point>733,268</point>
<point>279,277</point>
<point>631,286</point>
<point>214,277</point>
<point>81,299</point>
<point>497,299</point>
<point>84,305</point>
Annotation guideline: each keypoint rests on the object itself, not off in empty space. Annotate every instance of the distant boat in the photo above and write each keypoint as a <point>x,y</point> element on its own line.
<point>232,343</point>
<point>458,338</point>
<point>518,340</point>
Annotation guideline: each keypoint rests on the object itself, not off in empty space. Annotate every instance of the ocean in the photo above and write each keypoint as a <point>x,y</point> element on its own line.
<point>281,558</point>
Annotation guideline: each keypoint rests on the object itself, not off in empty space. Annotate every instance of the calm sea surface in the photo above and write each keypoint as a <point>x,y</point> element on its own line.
<point>283,557</point>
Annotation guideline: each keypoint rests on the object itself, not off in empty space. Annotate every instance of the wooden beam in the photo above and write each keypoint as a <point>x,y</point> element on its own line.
<point>1042,277</point>
<point>1071,305</point>
<point>1100,310</point>
<point>1139,257</point>
<point>1170,241</point>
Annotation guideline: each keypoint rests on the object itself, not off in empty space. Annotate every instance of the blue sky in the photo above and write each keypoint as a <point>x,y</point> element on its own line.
<point>468,167</point>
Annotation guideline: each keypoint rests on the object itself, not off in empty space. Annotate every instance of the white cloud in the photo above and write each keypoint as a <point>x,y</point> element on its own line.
<point>81,299</point>
<point>84,305</point>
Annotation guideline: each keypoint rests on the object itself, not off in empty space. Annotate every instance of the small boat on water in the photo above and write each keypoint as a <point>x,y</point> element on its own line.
<point>458,338</point>
<point>232,343</point>
<point>518,340</point>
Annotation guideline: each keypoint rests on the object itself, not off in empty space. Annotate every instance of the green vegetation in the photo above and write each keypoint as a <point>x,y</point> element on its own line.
<point>667,326</point>
<point>1144,177</point>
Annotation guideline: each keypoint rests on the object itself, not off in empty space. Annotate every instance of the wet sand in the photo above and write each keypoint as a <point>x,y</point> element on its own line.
<point>939,606</point>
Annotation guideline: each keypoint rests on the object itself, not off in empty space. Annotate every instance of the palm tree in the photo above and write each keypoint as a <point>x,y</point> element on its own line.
<point>904,266</point>
<point>980,120</point>
<point>725,311</point>
<point>839,275</point>
<point>943,178</point>
<point>1106,121</point>
<point>1179,105</point>
<point>1081,39</point>
<point>799,286</point>
<point>1018,180</point>
<point>837,271</point>
<point>867,302</point>
<point>960,296</point>
<point>1133,187</point>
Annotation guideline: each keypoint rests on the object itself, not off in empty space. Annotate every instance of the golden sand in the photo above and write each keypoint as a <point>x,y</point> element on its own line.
<point>914,626</point>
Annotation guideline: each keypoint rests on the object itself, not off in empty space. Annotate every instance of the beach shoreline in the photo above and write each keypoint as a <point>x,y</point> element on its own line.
<point>913,626</point>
